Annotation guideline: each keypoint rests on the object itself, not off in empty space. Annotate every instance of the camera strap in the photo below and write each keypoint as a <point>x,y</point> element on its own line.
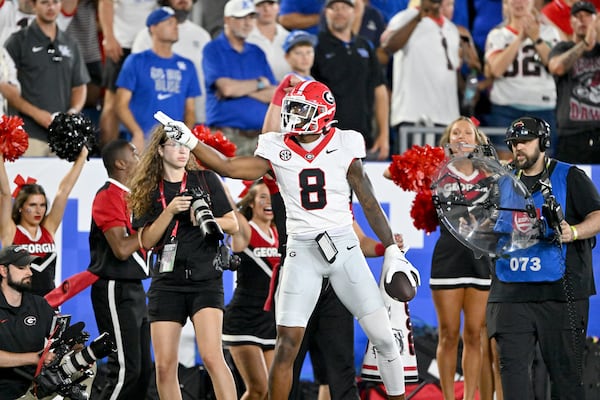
<point>163,200</point>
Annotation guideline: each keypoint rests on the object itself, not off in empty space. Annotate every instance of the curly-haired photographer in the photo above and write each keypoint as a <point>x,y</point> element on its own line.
<point>185,282</point>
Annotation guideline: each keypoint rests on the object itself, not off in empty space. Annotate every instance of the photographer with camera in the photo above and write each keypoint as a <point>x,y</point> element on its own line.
<point>540,294</point>
<point>181,213</point>
<point>25,321</point>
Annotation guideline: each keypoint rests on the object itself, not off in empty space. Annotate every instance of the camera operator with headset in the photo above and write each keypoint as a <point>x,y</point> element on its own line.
<point>541,293</point>
<point>25,322</point>
<point>168,198</point>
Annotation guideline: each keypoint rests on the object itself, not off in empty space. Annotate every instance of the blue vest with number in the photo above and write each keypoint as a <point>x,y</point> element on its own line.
<point>544,261</point>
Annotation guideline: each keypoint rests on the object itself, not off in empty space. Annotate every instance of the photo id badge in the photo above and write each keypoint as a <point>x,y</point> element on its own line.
<point>326,246</point>
<point>167,258</point>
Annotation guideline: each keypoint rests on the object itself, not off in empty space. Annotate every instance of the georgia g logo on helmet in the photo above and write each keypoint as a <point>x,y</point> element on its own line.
<point>328,97</point>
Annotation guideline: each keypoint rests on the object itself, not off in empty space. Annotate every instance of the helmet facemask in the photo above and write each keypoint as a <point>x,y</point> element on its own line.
<point>299,116</point>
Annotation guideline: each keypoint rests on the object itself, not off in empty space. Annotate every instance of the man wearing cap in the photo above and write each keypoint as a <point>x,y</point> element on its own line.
<point>348,65</point>
<point>575,65</point>
<point>156,80</point>
<point>529,302</point>
<point>25,322</point>
<point>192,39</point>
<point>269,36</point>
<point>558,13</point>
<point>239,81</point>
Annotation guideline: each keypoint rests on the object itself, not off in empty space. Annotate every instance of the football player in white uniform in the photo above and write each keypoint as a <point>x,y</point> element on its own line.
<point>317,166</point>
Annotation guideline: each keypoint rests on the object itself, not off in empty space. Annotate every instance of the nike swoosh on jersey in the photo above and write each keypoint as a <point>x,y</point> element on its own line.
<point>37,49</point>
<point>350,247</point>
<point>164,96</point>
<point>330,151</point>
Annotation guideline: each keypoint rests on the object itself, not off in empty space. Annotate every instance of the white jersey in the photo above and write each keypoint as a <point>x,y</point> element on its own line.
<point>424,76</point>
<point>526,83</point>
<point>129,18</point>
<point>192,39</point>
<point>313,184</point>
<point>8,74</point>
<point>8,20</point>
<point>273,50</point>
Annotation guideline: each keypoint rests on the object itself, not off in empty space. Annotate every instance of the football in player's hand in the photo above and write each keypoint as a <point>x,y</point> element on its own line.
<point>399,288</point>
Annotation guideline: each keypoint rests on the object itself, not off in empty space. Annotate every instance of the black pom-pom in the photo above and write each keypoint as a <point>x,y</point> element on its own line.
<point>68,133</point>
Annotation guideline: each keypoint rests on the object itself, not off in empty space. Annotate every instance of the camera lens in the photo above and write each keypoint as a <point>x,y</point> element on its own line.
<point>209,228</point>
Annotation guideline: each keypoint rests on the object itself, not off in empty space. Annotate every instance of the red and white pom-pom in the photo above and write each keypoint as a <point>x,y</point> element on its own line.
<point>423,212</point>
<point>215,140</point>
<point>414,169</point>
<point>14,141</point>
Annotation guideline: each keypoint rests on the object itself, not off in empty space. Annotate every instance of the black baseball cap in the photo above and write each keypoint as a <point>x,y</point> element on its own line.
<point>583,6</point>
<point>17,256</point>
<point>527,128</point>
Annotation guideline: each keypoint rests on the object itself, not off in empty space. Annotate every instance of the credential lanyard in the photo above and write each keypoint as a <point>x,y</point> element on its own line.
<point>161,188</point>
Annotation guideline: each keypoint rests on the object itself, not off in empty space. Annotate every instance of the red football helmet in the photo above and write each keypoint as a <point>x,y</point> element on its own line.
<point>308,108</point>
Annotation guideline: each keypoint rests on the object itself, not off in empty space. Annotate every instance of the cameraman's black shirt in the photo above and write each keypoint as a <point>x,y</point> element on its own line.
<point>22,330</point>
<point>192,251</point>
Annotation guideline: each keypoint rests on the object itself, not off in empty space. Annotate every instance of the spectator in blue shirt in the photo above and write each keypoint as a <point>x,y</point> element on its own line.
<point>156,80</point>
<point>239,81</point>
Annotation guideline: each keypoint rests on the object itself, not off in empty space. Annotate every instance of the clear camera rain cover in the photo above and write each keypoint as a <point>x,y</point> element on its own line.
<point>483,204</point>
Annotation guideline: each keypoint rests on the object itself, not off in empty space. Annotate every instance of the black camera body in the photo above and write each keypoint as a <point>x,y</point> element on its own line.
<point>58,376</point>
<point>209,228</point>
<point>225,260</point>
<point>553,213</point>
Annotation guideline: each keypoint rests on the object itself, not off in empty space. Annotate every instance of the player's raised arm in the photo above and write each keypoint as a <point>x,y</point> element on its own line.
<point>247,167</point>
